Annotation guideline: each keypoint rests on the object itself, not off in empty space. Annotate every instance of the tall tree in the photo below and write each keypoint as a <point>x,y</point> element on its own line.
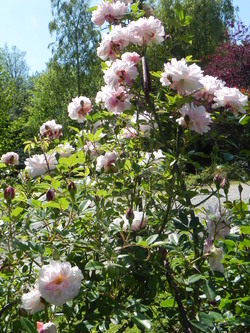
<point>76,41</point>
<point>206,29</point>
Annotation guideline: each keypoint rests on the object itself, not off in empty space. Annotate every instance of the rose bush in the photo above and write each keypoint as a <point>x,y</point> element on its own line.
<point>102,233</point>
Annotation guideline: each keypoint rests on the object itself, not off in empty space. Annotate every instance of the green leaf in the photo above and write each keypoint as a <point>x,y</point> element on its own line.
<point>151,239</point>
<point>64,204</point>
<point>27,325</point>
<point>93,265</point>
<point>209,290</point>
<point>17,211</point>
<point>141,321</point>
<point>199,326</point>
<point>245,229</point>
<point>51,204</point>
<point>194,278</point>
<point>244,120</point>
<point>168,303</point>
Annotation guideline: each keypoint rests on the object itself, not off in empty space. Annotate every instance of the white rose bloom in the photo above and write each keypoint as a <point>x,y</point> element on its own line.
<point>215,257</point>
<point>65,150</point>
<point>218,223</point>
<point>46,328</point>
<point>210,85</point>
<point>59,282</point>
<point>231,98</point>
<point>195,118</point>
<point>139,222</point>
<point>146,31</point>
<point>106,161</point>
<point>110,12</point>
<point>51,129</point>
<point>31,301</point>
<point>36,165</point>
<point>10,158</point>
<point>79,107</point>
<point>181,77</point>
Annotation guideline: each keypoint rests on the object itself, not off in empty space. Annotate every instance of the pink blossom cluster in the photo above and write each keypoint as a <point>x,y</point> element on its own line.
<point>111,12</point>
<point>189,80</point>
<point>57,284</point>
<point>145,31</point>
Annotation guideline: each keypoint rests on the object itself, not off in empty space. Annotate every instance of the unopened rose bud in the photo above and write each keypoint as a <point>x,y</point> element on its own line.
<point>240,188</point>
<point>72,189</point>
<point>50,195</point>
<point>9,193</point>
<point>217,181</point>
<point>130,214</point>
<point>225,185</point>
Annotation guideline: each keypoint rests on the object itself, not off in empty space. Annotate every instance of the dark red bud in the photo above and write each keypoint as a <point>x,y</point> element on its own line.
<point>50,195</point>
<point>9,193</point>
<point>130,214</point>
<point>72,188</point>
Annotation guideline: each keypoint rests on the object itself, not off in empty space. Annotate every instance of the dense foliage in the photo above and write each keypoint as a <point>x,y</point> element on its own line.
<point>100,232</point>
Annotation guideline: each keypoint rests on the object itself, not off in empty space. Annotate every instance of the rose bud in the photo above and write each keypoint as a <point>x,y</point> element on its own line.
<point>217,181</point>
<point>9,193</point>
<point>225,185</point>
<point>130,214</point>
<point>72,188</point>
<point>50,195</point>
<point>240,188</point>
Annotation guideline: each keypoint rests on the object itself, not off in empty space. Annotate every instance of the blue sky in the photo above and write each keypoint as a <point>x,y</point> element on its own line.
<point>24,23</point>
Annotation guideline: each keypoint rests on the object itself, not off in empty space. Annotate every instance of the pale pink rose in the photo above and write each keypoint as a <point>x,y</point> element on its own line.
<point>124,1</point>
<point>155,157</point>
<point>115,100</point>
<point>230,98</point>
<point>146,31</point>
<point>92,148</point>
<point>10,158</point>
<point>109,12</point>
<point>46,328</point>
<point>138,223</point>
<point>59,282</point>
<point>113,42</point>
<point>215,257</point>
<point>51,129</point>
<point>65,149</point>
<point>210,85</point>
<point>146,123</point>
<point>181,77</point>
<point>79,107</point>
<point>106,161</point>
<point>195,118</point>
<point>37,165</point>
<point>120,72</point>
<point>131,56</point>
<point>32,302</point>
<point>128,133</point>
<point>217,220</point>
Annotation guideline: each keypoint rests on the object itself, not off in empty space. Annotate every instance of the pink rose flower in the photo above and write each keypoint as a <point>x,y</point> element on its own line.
<point>79,107</point>
<point>10,158</point>
<point>51,130</point>
<point>59,282</point>
<point>181,77</point>
<point>46,328</point>
<point>195,118</point>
